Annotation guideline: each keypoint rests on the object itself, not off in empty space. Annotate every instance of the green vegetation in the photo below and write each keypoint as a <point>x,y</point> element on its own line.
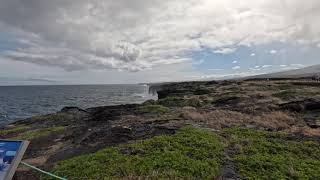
<point>40,133</point>
<point>263,87</point>
<point>202,91</point>
<point>54,117</point>
<point>189,154</point>
<point>289,94</point>
<point>317,122</point>
<point>14,130</point>
<point>226,99</point>
<point>173,101</point>
<point>149,102</point>
<point>167,118</point>
<point>266,155</point>
<point>285,86</point>
<point>153,109</point>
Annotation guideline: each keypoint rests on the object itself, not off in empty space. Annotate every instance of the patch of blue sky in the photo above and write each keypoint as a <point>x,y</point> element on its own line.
<point>264,58</point>
<point>9,42</point>
<point>223,62</point>
<point>6,45</point>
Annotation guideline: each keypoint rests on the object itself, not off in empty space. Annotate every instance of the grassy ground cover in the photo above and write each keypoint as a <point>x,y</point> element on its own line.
<point>14,130</point>
<point>153,109</point>
<point>198,154</point>
<point>39,133</point>
<point>270,155</point>
<point>189,154</point>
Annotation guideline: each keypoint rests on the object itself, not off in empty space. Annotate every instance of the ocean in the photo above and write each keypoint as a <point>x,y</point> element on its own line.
<point>20,102</point>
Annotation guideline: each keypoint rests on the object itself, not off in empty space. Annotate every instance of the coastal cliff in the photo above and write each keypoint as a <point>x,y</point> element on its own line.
<point>195,130</point>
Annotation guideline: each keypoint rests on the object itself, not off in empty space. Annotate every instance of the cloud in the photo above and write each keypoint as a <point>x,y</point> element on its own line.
<point>298,65</point>
<point>236,67</point>
<point>292,66</point>
<point>225,76</point>
<point>252,54</point>
<point>201,61</point>
<point>225,51</point>
<point>273,51</point>
<point>215,69</point>
<point>266,66</point>
<point>141,35</point>
<point>234,62</point>
<point>255,69</point>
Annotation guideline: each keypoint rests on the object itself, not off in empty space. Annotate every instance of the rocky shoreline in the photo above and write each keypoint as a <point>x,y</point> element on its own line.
<point>275,106</point>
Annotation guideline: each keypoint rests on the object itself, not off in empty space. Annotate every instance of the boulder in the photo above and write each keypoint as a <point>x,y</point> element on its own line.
<point>72,110</point>
<point>311,106</point>
<point>299,106</point>
<point>292,106</point>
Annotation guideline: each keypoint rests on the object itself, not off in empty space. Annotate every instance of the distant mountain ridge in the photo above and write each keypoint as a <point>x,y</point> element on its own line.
<point>305,72</point>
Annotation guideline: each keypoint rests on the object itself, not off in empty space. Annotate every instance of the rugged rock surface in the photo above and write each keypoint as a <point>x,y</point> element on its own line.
<point>286,105</point>
<point>304,105</point>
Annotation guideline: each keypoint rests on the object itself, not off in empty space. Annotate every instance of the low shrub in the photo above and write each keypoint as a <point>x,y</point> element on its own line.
<point>202,91</point>
<point>14,130</point>
<point>171,101</point>
<point>289,94</point>
<point>189,154</point>
<point>174,101</point>
<point>229,99</point>
<point>54,117</point>
<point>153,109</point>
<point>40,133</point>
<point>271,155</point>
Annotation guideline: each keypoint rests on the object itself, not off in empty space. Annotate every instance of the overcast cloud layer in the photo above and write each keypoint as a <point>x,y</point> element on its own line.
<point>137,35</point>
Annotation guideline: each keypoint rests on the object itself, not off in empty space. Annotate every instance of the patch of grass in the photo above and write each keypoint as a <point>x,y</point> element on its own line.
<point>54,117</point>
<point>14,130</point>
<point>149,102</point>
<point>289,94</point>
<point>173,101</point>
<point>228,99</point>
<point>202,91</point>
<point>267,155</point>
<point>189,154</point>
<point>40,133</point>
<point>317,122</point>
<point>153,109</point>
<point>264,87</point>
<point>193,102</point>
<point>285,86</point>
<point>167,118</point>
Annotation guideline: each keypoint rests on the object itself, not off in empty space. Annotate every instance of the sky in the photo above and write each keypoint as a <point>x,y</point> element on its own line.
<point>136,41</point>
